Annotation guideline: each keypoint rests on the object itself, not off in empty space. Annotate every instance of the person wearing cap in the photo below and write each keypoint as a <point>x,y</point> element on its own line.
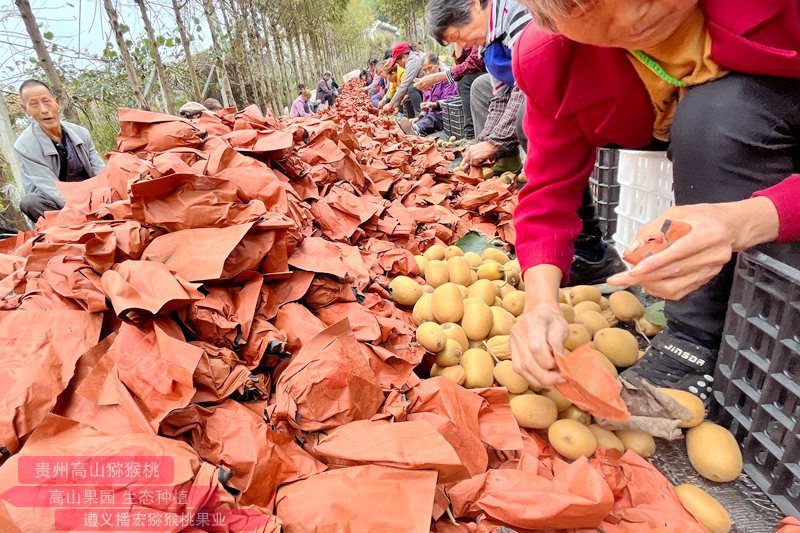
<point>411,61</point>
<point>50,150</point>
<point>325,92</point>
<point>212,104</point>
<point>192,110</point>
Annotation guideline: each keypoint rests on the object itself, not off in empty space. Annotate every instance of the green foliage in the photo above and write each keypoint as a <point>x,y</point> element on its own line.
<point>655,314</point>
<point>475,241</point>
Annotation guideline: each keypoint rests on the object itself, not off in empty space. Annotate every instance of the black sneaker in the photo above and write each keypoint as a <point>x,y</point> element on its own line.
<point>676,364</point>
<point>585,272</point>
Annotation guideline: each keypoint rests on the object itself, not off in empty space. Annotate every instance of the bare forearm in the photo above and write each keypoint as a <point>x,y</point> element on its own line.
<point>756,220</point>
<point>541,285</point>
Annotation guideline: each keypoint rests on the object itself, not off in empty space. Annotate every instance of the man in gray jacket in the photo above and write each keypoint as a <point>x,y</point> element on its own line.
<point>50,150</point>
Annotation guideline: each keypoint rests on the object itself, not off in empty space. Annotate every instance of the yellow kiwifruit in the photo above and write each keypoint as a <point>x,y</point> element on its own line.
<point>493,254</point>
<point>477,321</point>
<point>577,414</point>
<point>453,251</point>
<point>704,508</point>
<point>447,304</point>
<point>431,336</point>
<point>647,328</point>
<point>714,452</point>
<point>571,439</point>
<point>405,291</point>
<point>583,293</point>
<point>502,321</point>
<point>514,302</point>
<point>626,306</point>
<point>592,321</point>
<point>459,271</point>
<point>450,355</point>
<point>638,441</point>
<point>435,252</point>
<point>421,263</point>
<point>485,290</point>
<point>436,273</point>
<point>479,367</point>
<point>620,346</point>
<point>499,347</point>
<point>582,307</point>
<point>456,332</point>
<point>553,394</point>
<point>505,375</point>
<point>578,336</point>
<point>691,403</point>
<point>533,411</point>
<point>490,270</point>
<point>606,439</point>
<point>457,374</point>
<point>422,310</point>
<point>474,259</point>
<point>568,311</point>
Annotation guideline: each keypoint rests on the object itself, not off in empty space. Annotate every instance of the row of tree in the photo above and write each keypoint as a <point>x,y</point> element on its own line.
<point>259,51</point>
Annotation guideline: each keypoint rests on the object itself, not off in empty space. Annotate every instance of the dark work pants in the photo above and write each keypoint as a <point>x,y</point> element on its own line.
<point>34,205</point>
<point>589,243</point>
<point>465,90</point>
<point>412,106</point>
<point>730,138</point>
<point>429,124</point>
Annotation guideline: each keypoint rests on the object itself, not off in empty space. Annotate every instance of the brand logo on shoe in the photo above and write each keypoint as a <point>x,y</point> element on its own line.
<point>685,355</point>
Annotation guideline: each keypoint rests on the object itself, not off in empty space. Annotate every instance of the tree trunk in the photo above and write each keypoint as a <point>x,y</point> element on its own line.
<point>266,57</point>
<point>238,53</point>
<point>70,113</point>
<point>278,48</point>
<point>133,76</point>
<point>222,73</point>
<point>187,51</point>
<point>253,54</point>
<point>166,87</point>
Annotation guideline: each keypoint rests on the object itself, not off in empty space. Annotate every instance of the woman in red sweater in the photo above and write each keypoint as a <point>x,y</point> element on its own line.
<point>718,82</point>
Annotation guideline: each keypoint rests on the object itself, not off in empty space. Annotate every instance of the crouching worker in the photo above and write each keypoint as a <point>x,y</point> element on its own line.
<point>300,105</point>
<point>719,81</point>
<point>50,150</point>
<point>430,119</point>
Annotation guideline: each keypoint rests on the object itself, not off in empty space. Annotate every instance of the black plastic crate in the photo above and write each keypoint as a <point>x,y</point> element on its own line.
<point>757,382</point>
<point>605,189</point>
<point>453,117</point>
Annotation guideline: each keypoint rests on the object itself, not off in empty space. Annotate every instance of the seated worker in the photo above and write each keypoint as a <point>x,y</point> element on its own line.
<point>192,110</point>
<point>498,108</point>
<point>312,106</point>
<point>394,75</point>
<point>325,92</point>
<point>299,105</point>
<point>469,67</point>
<point>50,150</point>
<point>212,104</point>
<point>377,89</point>
<point>430,119</point>
<point>719,80</point>
<point>411,61</point>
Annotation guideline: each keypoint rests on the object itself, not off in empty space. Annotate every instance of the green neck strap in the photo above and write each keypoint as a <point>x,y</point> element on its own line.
<point>650,63</point>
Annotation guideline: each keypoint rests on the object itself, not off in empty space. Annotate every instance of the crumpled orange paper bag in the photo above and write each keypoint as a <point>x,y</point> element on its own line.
<point>38,354</point>
<point>577,496</point>
<point>177,468</point>
<point>231,436</point>
<point>590,386</point>
<point>328,383</point>
<point>359,499</point>
<point>415,445</point>
<point>154,132</point>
